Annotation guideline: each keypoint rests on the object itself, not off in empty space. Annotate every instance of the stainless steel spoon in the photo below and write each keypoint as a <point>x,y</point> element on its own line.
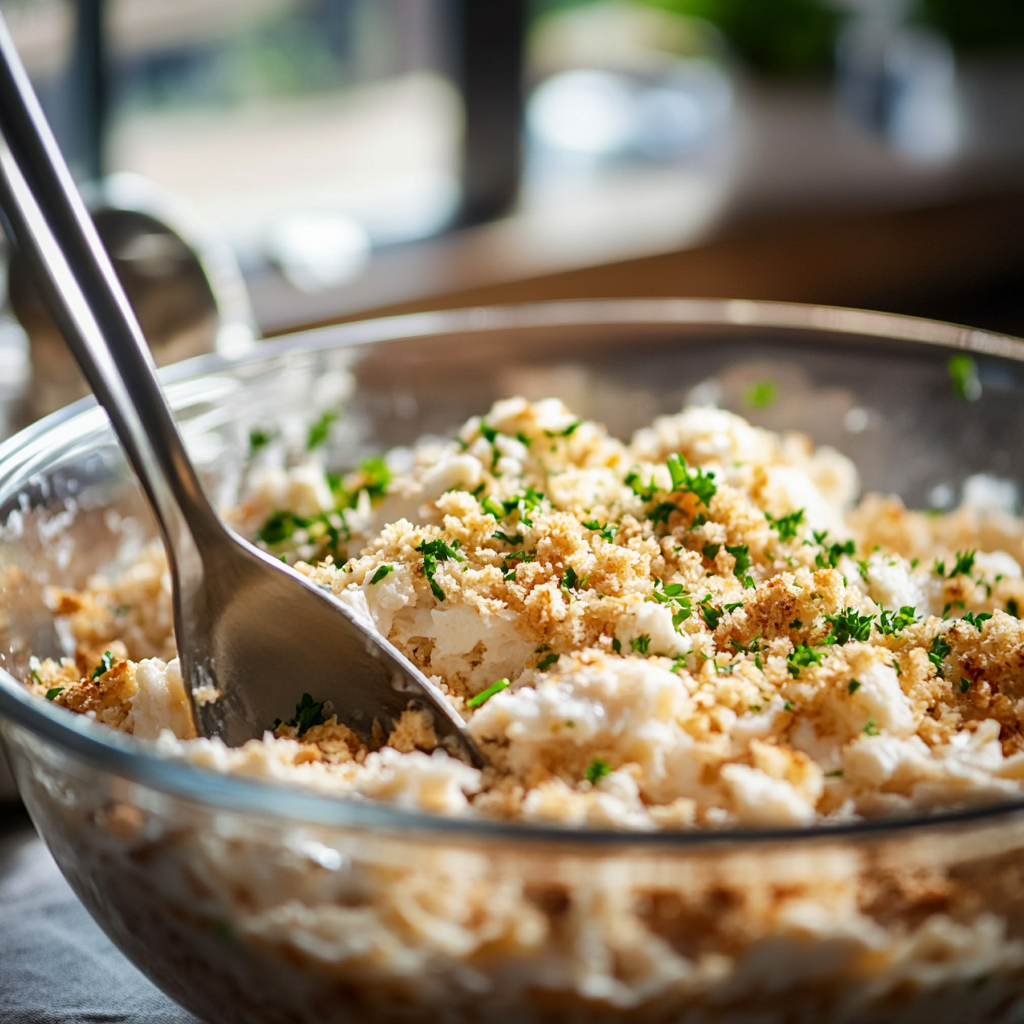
<point>248,628</point>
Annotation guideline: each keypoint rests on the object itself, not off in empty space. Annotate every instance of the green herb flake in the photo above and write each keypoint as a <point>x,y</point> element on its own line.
<point>640,644</point>
<point>786,526</point>
<point>567,432</point>
<point>435,551</point>
<point>853,687</point>
<point>516,538</point>
<point>939,651</point>
<point>662,512</point>
<point>963,372</point>
<point>485,695</point>
<point>606,530</point>
<point>695,481</point>
<point>803,657</point>
<point>835,774</point>
<point>381,572</point>
<point>710,613</point>
<point>848,625</point>
<point>493,508</point>
<point>965,684</point>
<point>52,692</point>
<point>709,551</point>
<point>1012,608</point>
<point>742,556</point>
<point>645,492</point>
<point>569,579</point>
<point>546,662</point>
<point>892,623</point>
<point>597,769</point>
<point>871,728</point>
<point>796,624</point>
<point>761,394</point>
<point>977,621</point>
<point>105,665</point>
<point>964,564</point>
<point>830,554</point>
<point>260,437</point>
<point>308,713</point>
<point>320,430</point>
<point>617,646</point>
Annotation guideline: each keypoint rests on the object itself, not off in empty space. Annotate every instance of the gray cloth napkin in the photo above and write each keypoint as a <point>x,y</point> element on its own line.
<point>55,963</point>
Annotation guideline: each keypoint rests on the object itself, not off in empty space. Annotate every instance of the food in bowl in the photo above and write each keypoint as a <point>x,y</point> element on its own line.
<point>695,629</point>
<point>249,898</point>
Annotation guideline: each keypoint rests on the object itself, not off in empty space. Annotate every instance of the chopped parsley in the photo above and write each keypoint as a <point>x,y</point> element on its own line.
<point>645,492</point>
<point>546,662</point>
<point>962,567</point>
<point>939,650</point>
<point>977,621</point>
<point>105,665</point>
<point>567,432</point>
<point>965,684</point>
<point>381,572</point>
<point>516,538</point>
<point>493,508</point>
<point>742,556</point>
<point>308,713</point>
<point>640,644</point>
<point>695,481</point>
<point>508,569</point>
<point>853,687</point>
<point>674,595</point>
<point>435,551</point>
<point>1012,608</point>
<point>871,728</point>
<point>607,530</point>
<point>597,769</point>
<point>796,624</point>
<point>319,431</point>
<point>762,394</point>
<point>963,372</point>
<point>53,691</point>
<point>803,657</point>
<point>373,477</point>
<point>710,551</point>
<point>786,526</point>
<point>848,625</point>
<point>280,526</point>
<point>484,695</point>
<point>662,512</point>
<point>711,613</point>
<point>260,437</point>
<point>617,645</point>
<point>569,579</point>
<point>891,623</point>
<point>830,554</point>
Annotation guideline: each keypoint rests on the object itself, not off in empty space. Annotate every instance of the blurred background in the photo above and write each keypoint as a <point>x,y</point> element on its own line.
<point>259,165</point>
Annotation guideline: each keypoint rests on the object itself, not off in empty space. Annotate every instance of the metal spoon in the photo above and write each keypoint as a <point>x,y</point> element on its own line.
<point>247,628</point>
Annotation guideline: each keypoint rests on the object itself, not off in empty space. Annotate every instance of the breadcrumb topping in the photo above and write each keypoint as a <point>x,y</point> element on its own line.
<point>697,628</point>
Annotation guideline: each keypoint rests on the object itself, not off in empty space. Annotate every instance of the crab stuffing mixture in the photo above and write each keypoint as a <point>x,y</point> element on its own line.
<point>698,628</point>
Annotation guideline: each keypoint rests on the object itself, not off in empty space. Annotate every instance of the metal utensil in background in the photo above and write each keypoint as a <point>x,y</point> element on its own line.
<point>250,632</point>
<point>181,279</point>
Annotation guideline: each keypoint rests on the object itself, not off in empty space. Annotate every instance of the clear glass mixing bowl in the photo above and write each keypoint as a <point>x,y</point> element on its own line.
<point>251,901</point>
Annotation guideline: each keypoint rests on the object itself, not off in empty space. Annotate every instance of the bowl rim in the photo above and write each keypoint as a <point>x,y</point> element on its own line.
<point>137,762</point>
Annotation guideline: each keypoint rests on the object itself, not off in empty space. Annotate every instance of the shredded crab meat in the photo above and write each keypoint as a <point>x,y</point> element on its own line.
<point>697,628</point>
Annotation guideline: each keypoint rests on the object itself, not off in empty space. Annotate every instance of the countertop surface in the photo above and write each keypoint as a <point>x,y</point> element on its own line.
<point>56,964</point>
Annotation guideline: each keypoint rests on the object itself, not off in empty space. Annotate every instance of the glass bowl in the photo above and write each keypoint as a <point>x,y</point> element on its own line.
<point>251,901</point>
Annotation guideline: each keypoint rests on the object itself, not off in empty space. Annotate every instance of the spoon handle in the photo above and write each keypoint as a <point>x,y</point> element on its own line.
<point>45,217</point>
